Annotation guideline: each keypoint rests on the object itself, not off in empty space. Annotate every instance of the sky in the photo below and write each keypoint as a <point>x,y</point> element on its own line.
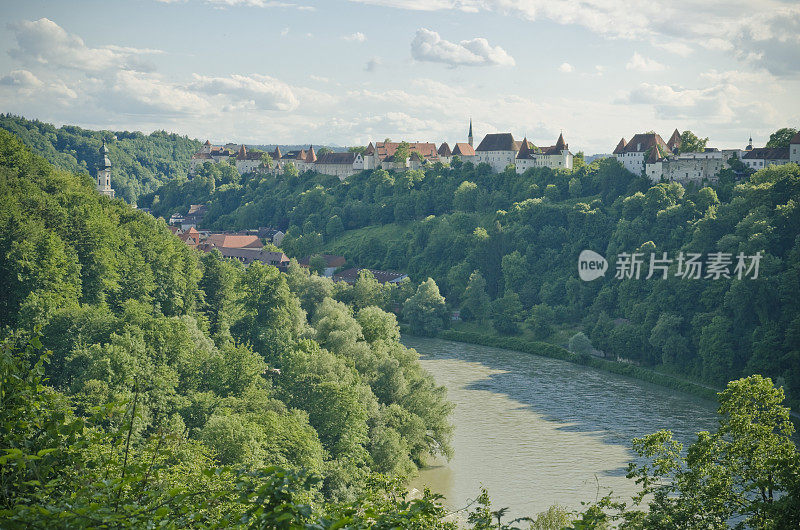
<point>346,72</point>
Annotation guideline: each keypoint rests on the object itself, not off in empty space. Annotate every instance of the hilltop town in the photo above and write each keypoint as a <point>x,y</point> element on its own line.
<point>644,154</point>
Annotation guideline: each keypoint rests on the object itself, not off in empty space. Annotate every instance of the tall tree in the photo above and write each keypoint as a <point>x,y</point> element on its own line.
<point>781,137</point>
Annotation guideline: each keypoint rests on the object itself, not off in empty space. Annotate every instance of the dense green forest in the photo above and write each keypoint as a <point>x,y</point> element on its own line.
<point>147,385</point>
<point>141,163</point>
<point>251,367</point>
<point>503,249</point>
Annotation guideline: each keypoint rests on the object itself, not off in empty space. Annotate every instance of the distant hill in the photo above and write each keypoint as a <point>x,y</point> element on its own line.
<point>591,158</point>
<point>140,162</point>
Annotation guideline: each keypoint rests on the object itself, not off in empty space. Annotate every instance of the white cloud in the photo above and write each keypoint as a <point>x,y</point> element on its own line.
<point>372,64</point>
<point>765,33</point>
<point>136,92</point>
<point>355,37</point>
<point>45,42</point>
<point>676,48</point>
<point>21,79</point>
<point>284,32</point>
<point>257,3</point>
<point>643,64</point>
<point>429,46</point>
<point>265,92</point>
<point>722,103</point>
<point>566,68</point>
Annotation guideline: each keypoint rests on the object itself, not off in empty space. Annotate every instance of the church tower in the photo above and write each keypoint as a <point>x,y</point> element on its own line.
<point>104,173</point>
<point>469,137</point>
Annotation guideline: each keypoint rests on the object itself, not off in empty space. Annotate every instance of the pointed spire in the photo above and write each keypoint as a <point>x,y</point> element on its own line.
<point>560,144</point>
<point>674,142</point>
<point>525,150</point>
<point>311,156</point>
<point>469,136</point>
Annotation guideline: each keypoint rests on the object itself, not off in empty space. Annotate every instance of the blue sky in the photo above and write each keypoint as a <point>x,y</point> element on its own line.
<point>347,72</point>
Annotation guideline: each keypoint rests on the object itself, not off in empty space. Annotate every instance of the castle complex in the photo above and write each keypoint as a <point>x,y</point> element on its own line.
<point>496,150</point>
<point>649,154</point>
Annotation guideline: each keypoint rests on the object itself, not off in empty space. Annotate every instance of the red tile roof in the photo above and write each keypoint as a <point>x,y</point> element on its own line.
<point>795,139</point>
<point>444,150</point>
<point>386,149</point>
<point>620,147</point>
<point>234,241</point>
<point>463,149</point>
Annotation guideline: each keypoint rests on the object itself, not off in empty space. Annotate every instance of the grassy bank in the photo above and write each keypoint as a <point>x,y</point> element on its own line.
<point>557,352</point>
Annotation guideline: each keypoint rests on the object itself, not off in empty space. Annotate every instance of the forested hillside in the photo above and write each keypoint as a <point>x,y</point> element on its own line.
<point>244,367</point>
<point>503,249</point>
<point>140,163</point>
<point>147,385</point>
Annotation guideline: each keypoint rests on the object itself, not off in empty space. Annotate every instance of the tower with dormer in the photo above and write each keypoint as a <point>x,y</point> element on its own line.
<point>104,173</point>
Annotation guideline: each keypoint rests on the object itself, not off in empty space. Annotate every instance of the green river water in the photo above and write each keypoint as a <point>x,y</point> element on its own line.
<point>537,431</point>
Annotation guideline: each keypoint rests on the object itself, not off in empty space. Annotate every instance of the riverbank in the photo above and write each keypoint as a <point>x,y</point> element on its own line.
<point>552,351</point>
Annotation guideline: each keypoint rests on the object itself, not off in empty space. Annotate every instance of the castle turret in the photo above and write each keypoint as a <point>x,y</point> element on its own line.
<point>104,173</point>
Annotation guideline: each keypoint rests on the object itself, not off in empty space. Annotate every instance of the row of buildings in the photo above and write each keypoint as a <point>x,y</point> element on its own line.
<point>498,150</point>
<point>243,247</point>
<point>648,154</point>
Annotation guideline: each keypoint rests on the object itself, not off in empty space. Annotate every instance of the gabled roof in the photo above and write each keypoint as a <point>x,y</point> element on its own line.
<point>444,150</point>
<point>497,142</point>
<point>640,143</point>
<point>463,149</point>
<point>337,158</point>
<point>234,241</point>
<point>767,153</point>
<point>370,149</point>
<point>620,147</point>
<point>207,143</point>
<point>201,156</point>
<point>674,140</point>
<point>276,154</point>
<point>795,139</point>
<point>386,150</point>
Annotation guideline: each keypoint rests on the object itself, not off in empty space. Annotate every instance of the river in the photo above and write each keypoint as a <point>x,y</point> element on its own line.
<point>537,431</point>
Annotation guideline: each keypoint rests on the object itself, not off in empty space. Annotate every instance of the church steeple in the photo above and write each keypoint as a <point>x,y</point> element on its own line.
<point>104,173</point>
<point>469,136</point>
